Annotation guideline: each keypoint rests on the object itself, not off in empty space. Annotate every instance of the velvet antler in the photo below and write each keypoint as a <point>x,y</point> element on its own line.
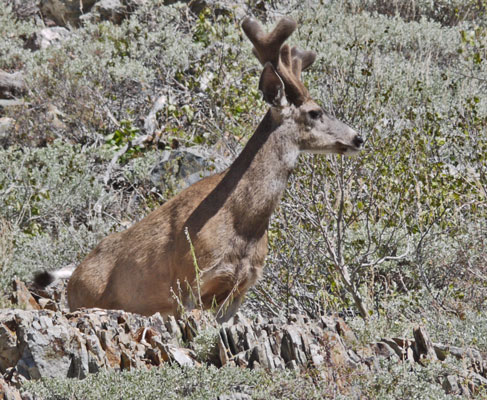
<point>288,63</point>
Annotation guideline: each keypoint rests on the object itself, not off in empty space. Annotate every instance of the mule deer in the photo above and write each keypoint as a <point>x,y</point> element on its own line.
<point>226,216</point>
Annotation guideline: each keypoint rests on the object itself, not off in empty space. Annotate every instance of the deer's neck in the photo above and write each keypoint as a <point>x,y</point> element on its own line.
<point>262,171</point>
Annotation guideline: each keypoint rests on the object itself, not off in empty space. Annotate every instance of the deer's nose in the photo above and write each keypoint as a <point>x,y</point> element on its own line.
<point>358,141</point>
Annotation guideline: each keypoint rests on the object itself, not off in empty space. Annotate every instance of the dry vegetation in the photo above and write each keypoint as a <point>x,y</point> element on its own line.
<point>399,231</point>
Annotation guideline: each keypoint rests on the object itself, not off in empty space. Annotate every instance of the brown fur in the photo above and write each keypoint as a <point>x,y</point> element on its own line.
<point>145,268</point>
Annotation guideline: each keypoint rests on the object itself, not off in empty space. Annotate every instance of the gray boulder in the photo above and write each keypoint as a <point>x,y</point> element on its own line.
<point>6,124</point>
<point>39,343</point>
<point>111,10</point>
<point>73,12</point>
<point>24,9</point>
<point>8,392</point>
<point>11,84</point>
<point>66,12</point>
<point>47,37</point>
<point>178,169</point>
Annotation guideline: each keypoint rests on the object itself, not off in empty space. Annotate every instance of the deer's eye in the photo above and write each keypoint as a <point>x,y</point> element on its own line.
<point>315,114</point>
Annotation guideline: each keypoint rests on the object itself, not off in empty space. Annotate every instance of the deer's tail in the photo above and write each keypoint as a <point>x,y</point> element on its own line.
<point>45,278</point>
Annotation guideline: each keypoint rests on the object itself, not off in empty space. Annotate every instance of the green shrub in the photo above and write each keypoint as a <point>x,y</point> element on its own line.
<point>57,207</point>
<point>183,383</point>
<point>12,30</point>
<point>407,216</point>
<point>446,12</point>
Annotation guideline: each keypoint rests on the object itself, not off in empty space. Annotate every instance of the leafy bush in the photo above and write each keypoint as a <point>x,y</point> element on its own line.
<point>182,383</point>
<point>446,12</point>
<point>104,74</point>
<point>57,206</point>
<point>392,380</point>
<point>402,381</point>
<point>12,31</point>
<point>405,219</point>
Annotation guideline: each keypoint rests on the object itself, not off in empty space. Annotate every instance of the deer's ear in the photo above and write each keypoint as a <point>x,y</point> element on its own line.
<point>271,85</point>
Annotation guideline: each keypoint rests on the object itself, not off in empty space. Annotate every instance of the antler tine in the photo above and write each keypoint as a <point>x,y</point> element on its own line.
<point>288,63</point>
<point>302,59</point>
<point>267,46</point>
<point>296,60</point>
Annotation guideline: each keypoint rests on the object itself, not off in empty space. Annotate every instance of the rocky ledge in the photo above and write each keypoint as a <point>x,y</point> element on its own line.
<point>43,339</point>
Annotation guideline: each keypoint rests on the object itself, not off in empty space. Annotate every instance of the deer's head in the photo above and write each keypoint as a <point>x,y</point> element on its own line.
<point>314,130</point>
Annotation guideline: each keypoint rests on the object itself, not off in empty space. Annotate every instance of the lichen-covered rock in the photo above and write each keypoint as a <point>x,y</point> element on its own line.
<point>424,345</point>
<point>8,392</point>
<point>451,385</point>
<point>49,343</point>
<point>9,351</point>
<point>114,11</point>
<point>24,9</point>
<point>178,169</point>
<point>47,37</point>
<point>72,12</point>
<point>11,84</point>
<point>383,350</point>
<point>52,344</point>
<point>6,124</point>
<point>45,343</point>
<point>22,296</point>
<point>65,12</point>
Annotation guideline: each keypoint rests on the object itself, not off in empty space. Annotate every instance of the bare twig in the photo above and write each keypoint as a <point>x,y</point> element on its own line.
<point>136,142</point>
<point>387,258</point>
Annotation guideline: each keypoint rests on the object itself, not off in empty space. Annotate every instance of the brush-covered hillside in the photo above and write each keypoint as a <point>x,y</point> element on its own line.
<point>109,108</point>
